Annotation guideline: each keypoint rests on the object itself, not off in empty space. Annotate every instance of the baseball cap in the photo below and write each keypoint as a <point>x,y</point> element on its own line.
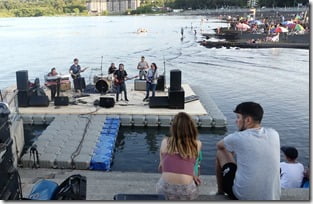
<point>290,152</point>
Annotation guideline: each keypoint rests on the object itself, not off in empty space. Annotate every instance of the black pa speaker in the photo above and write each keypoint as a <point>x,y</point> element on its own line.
<point>176,99</point>
<point>39,101</point>
<point>107,102</point>
<point>161,83</point>
<point>158,102</point>
<point>175,79</point>
<point>61,101</point>
<point>22,80</point>
<point>22,98</point>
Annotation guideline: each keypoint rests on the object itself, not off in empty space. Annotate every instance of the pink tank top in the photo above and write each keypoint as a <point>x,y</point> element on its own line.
<point>174,163</point>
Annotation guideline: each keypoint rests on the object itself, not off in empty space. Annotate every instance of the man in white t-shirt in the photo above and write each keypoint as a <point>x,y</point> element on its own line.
<point>142,67</point>
<point>254,174</point>
<point>291,172</point>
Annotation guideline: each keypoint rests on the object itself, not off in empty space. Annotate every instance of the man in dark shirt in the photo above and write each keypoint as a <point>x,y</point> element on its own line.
<point>120,76</point>
<point>75,71</point>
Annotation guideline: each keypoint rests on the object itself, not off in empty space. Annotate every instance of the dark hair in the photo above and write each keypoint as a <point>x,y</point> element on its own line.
<point>53,68</point>
<point>154,65</point>
<point>142,56</point>
<point>252,109</point>
<point>290,152</point>
<point>75,60</point>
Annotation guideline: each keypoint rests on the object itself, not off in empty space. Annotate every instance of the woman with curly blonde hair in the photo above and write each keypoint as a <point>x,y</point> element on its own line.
<point>178,155</point>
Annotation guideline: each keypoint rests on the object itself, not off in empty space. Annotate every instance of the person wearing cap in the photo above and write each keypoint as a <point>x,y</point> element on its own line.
<point>254,174</point>
<point>142,66</point>
<point>291,171</point>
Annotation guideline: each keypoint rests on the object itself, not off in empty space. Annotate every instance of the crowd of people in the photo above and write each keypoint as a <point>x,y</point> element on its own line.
<point>248,163</point>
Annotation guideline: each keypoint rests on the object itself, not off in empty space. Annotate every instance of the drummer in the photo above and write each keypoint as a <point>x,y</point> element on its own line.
<point>112,68</point>
<point>111,71</point>
<point>53,86</point>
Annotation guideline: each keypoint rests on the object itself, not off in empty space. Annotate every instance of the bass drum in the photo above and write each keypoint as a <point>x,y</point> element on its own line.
<point>102,85</point>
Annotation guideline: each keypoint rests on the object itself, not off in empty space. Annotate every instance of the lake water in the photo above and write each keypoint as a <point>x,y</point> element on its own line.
<point>276,78</point>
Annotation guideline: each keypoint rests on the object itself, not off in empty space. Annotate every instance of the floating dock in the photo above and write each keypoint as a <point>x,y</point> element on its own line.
<point>82,135</point>
<point>132,113</point>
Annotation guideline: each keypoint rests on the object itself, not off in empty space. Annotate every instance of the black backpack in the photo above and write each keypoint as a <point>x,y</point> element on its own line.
<point>73,188</point>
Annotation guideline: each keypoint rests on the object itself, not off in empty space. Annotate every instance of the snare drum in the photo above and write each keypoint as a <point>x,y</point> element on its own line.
<point>102,85</point>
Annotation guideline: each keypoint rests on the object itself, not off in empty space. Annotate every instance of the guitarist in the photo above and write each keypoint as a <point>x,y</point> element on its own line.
<point>75,71</point>
<point>120,76</point>
<point>151,81</point>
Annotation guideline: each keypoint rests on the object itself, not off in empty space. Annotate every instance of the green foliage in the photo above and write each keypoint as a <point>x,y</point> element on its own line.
<point>147,8</point>
<point>27,8</point>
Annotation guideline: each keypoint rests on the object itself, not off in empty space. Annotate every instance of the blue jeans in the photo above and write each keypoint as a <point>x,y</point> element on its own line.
<point>119,89</point>
<point>152,87</point>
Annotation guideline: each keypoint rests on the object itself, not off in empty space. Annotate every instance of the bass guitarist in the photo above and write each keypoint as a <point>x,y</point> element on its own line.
<point>120,76</point>
<point>75,71</point>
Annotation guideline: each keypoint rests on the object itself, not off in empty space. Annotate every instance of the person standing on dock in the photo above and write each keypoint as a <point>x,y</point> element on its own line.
<point>178,155</point>
<point>151,81</point>
<point>75,71</point>
<point>257,151</point>
<point>120,76</point>
<point>142,66</point>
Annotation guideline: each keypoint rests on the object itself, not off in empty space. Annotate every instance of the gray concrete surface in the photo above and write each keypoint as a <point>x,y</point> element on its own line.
<point>104,185</point>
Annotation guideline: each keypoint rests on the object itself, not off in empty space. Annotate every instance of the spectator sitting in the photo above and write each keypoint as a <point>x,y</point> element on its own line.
<point>291,171</point>
<point>178,154</point>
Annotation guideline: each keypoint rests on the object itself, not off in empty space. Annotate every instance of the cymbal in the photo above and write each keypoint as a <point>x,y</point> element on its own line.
<point>95,68</point>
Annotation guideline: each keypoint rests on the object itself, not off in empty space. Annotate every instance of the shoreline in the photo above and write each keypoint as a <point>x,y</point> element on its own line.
<point>266,12</point>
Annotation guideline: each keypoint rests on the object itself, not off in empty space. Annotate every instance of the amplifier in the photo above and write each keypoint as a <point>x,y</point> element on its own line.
<point>176,99</point>
<point>61,101</point>
<point>107,102</point>
<point>161,83</point>
<point>65,86</point>
<point>158,102</point>
<point>140,85</point>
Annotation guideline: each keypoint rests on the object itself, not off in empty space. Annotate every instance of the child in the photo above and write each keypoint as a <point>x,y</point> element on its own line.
<point>291,171</point>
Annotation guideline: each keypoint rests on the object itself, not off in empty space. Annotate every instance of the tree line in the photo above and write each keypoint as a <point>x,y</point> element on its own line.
<point>27,8</point>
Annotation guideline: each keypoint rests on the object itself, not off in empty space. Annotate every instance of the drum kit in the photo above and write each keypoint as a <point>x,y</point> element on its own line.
<point>103,84</point>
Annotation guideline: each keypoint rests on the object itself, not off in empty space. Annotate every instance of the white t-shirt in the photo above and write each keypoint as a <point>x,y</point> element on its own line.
<point>291,175</point>
<point>258,157</point>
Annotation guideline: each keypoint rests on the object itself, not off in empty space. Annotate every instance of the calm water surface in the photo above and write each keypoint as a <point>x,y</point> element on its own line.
<point>276,78</point>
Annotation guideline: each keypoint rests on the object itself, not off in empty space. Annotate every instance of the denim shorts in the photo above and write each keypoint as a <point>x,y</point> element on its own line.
<point>177,191</point>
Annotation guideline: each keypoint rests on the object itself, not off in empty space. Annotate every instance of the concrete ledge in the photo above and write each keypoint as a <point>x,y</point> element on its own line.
<point>104,185</point>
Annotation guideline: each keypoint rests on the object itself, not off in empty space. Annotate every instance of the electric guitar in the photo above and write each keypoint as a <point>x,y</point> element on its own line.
<point>74,76</point>
<point>118,82</point>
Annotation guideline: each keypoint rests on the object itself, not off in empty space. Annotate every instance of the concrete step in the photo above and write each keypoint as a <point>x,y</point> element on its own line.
<point>104,185</point>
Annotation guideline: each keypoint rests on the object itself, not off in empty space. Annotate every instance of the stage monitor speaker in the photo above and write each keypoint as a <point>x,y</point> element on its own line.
<point>79,83</point>
<point>158,102</point>
<point>161,83</point>
<point>176,99</point>
<point>22,98</point>
<point>22,80</point>
<point>175,79</point>
<point>38,101</point>
<point>61,101</point>
<point>107,102</point>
